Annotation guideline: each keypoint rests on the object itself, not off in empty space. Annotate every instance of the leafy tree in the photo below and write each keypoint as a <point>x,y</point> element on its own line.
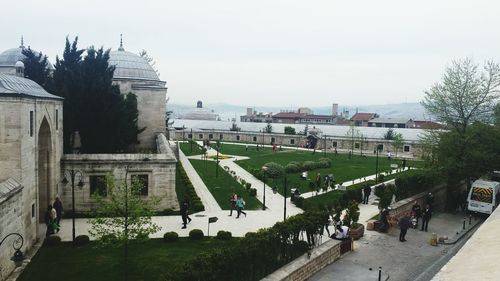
<point>268,128</point>
<point>353,134</point>
<point>235,127</point>
<point>36,66</point>
<point>122,216</point>
<point>389,135</point>
<point>94,106</point>
<point>465,95</point>
<point>144,54</point>
<point>289,130</point>
<point>397,142</point>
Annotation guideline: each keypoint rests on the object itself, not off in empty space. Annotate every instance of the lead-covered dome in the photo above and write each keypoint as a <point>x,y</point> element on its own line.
<point>131,66</point>
<point>10,57</point>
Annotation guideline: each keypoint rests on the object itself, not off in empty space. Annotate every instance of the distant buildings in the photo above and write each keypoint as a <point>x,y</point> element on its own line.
<point>253,116</point>
<point>362,119</point>
<point>391,123</point>
<point>200,113</point>
<point>303,115</point>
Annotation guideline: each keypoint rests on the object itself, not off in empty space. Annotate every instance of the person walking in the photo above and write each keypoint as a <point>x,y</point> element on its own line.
<point>184,213</point>
<point>240,204</point>
<point>404,223</point>
<point>232,203</point>
<point>417,211</point>
<point>59,211</point>
<point>318,181</point>
<point>366,193</point>
<point>426,217</point>
<point>49,221</point>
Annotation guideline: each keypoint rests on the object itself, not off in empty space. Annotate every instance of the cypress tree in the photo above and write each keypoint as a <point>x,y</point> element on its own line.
<point>35,66</point>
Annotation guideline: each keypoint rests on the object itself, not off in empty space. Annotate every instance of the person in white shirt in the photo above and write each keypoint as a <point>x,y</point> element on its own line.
<point>341,232</point>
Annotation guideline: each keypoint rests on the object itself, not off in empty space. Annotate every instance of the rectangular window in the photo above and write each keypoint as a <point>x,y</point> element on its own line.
<point>254,138</point>
<point>221,136</point>
<point>292,141</point>
<point>334,144</point>
<point>210,136</point>
<point>406,148</point>
<point>57,119</point>
<point>380,147</point>
<point>190,136</point>
<point>98,185</point>
<point>31,123</point>
<point>273,140</point>
<point>143,181</point>
<point>356,145</point>
<point>237,138</point>
<point>200,136</point>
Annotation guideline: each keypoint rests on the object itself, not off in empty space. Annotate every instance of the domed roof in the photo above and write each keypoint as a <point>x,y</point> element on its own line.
<point>11,56</point>
<point>131,66</point>
<point>11,85</point>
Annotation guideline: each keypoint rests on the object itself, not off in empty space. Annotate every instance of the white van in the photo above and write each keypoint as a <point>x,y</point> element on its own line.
<point>484,196</point>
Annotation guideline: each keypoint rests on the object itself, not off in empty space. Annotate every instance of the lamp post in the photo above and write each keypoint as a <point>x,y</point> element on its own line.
<point>217,160</point>
<point>17,244</point>
<point>72,174</point>
<point>284,198</point>
<point>264,168</point>
<point>376,167</point>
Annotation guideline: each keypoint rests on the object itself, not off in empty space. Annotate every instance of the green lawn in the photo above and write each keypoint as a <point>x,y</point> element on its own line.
<point>148,261</point>
<point>186,148</point>
<point>222,186</point>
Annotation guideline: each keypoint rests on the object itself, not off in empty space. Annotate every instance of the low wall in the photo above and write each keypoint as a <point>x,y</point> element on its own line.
<point>306,266</point>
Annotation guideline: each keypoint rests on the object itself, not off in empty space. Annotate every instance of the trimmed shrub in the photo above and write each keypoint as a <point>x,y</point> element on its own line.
<point>309,165</point>
<point>253,192</point>
<point>81,240</point>
<point>323,164</point>
<point>196,234</point>
<point>198,207</point>
<point>381,177</point>
<point>52,240</point>
<point>170,236</point>
<point>326,160</point>
<point>355,195</point>
<point>292,168</point>
<point>248,185</point>
<point>299,201</point>
<point>224,235</point>
<point>274,170</point>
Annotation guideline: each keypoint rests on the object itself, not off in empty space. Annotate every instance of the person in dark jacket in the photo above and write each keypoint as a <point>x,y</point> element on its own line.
<point>49,221</point>
<point>404,223</point>
<point>426,217</point>
<point>59,210</point>
<point>416,211</point>
<point>384,223</point>
<point>184,212</point>
<point>366,193</point>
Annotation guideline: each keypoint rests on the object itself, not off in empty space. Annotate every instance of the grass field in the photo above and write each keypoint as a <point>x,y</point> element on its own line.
<point>148,261</point>
<point>186,148</point>
<point>222,186</point>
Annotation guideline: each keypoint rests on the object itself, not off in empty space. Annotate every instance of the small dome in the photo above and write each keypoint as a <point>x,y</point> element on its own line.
<point>131,66</point>
<point>11,56</point>
<point>19,64</point>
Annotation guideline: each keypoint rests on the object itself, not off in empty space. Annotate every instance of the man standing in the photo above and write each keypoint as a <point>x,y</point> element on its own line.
<point>59,210</point>
<point>426,217</point>
<point>184,212</point>
<point>416,211</point>
<point>404,224</point>
<point>366,193</point>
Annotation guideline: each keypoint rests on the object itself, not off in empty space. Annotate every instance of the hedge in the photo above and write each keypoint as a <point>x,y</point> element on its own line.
<point>170,236</point>
<point>196,204</point>
<point>196,234</point>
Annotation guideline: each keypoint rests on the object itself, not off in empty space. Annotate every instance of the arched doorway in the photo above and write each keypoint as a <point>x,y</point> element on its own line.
<point>44,168</point>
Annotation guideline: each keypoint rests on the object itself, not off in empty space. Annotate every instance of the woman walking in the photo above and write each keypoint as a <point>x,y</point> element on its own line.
<point>240,204</point>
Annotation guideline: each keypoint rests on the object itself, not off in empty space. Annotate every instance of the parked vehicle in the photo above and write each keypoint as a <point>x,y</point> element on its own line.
<point>484,196</point>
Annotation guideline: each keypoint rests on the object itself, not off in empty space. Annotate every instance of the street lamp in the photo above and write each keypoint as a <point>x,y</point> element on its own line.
<point>17,244</point>
<point>72,174</point>
<point>376,167</point>
<point>284,198</point>
<point>264,169</point>
<point>217,160</point>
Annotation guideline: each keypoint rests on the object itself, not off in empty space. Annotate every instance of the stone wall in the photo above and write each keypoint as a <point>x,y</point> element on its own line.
<point>159,168</point>
<point>340,142</point>
<point>304,267</point>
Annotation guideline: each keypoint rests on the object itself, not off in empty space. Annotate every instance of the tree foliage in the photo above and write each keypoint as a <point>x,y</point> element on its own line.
<point>289,130</point>
<point>268,128</point>
<point>389,135</point>
<point>36,66</point>
<point>93,105</point>
<point>465,95</point>
<point>397,142</point>
<point>144,54</point>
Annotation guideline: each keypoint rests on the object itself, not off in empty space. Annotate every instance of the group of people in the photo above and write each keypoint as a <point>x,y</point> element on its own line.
<point>410,219</point>
<point>237,203</point>
<point>53,217</point>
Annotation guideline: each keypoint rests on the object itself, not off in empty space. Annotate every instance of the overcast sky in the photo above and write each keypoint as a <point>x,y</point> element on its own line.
<point>275,53</point>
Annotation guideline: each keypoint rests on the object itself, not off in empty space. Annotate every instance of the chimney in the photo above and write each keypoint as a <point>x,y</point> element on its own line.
<point>335,109</point>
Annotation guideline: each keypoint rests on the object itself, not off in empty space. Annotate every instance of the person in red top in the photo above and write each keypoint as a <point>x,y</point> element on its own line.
<point>232,203</point>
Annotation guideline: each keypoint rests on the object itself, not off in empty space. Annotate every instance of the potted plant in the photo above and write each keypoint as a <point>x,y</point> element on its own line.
<point>356,229</point>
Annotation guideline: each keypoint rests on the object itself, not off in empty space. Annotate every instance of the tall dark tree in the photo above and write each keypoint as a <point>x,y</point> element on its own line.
<point>36,66</point>
<point>105,119</point>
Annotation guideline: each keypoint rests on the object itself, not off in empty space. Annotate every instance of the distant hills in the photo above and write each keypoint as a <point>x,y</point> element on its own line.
<point>229,111</point>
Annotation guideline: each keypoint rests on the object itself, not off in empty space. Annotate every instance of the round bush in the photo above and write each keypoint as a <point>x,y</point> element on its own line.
<point>248,185</point>
<point>52,240</point>
<point>299,201</point>
<point>170,236</point>
<point>224,235</point>
<point>274,170</point>
<point>309,165</point>
<point>323,164</point>
<point>81,240</point>
<point>292,168</point>
<point>253,192</point>
<point>196,234</point>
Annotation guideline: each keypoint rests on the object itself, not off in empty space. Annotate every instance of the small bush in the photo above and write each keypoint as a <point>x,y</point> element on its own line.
<point>248,185</point>
<point>323,164</point>
<point>170,236</point>
<point>224,235</point>
<point>253,192</point>
<point>52,240</point>
<point>81,240</point>
<point>274,170</point>
<point>198,207</point>
<point>326,160</point>
<point>381,177</point>
<point>309,165</point>
<point>299,201</point>
<point>196,234</point>
<point>292,168</point>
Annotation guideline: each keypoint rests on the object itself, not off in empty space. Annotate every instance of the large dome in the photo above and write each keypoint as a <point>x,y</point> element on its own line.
<point>11,56</point>
<point>131,66</point>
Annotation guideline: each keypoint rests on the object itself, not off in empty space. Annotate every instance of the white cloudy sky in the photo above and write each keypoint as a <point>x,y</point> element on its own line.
<point>280,53</point>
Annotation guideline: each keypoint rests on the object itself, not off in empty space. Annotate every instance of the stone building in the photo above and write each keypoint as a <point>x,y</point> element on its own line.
<point>134,74</point>
<point>31,141</point>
